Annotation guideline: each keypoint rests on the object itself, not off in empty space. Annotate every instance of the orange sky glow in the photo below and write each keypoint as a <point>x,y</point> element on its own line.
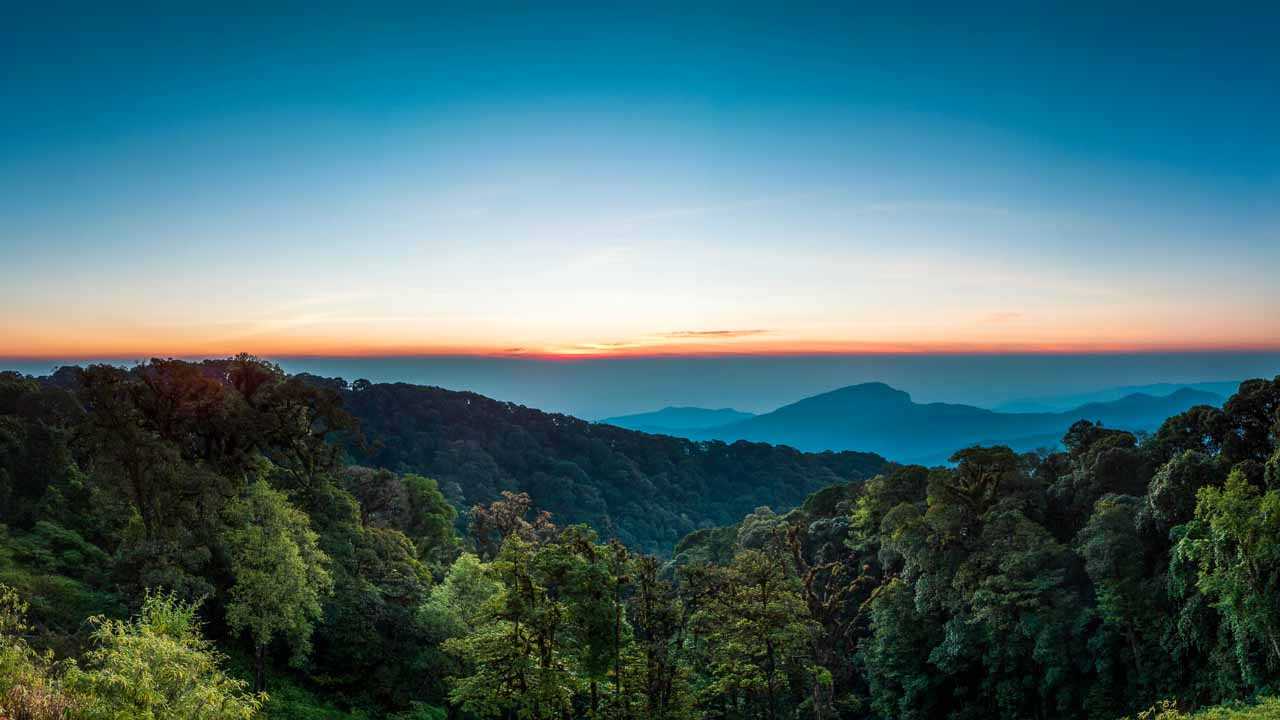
<point>638,348</point>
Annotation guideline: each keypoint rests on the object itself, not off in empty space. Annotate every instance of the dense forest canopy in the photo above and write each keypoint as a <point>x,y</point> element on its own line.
<point>220,540</point>
<point>646,490</point>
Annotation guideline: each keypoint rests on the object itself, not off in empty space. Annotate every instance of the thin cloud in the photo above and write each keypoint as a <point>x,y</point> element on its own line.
<point>677,334</point>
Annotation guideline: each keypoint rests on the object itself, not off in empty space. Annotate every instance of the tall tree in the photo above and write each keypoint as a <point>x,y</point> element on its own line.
<point>1234,544</point>
<point>280,573</point>
<point>757,632</point>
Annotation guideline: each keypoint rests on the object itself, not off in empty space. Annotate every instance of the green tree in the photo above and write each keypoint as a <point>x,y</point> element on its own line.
<point>517,661</point>
<point>895,656</point>
<point>158,667</point>
<point>1234,545</point>
<point>1115,560</point>
<point>280,573</point>
<point>1171,496</point>
<point>660,623</point>
<point>456,605</point>
<point>757,633</point>
<point>430,520</point>
<point>29,686</point>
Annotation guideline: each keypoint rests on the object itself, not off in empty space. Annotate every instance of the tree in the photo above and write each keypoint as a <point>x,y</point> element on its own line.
<point>457,605</point>
<point>128,454</point>
<point>834,595</point>
<point>660,623</point>
<point>1171,496</point>
<point>410,503</point>
<point>1234,544</point>
<point>1115,560</point>
<point>29,686</point>
<point>300,423</point>
<point>1200,428</point>
<point>491,526</point>
<point>1252,421</point>
<point>757,631</point>
<point>517,660</point>
<point>895,655</point>
<point>280,573</point>
<point>430,520</point>
<point>158,667</point>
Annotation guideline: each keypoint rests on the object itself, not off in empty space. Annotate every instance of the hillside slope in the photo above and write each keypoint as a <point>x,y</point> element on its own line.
<point>671,420</point>
<point>648,490</point>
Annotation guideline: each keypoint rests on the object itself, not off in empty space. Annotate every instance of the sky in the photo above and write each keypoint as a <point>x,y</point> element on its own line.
<point>555,181</point>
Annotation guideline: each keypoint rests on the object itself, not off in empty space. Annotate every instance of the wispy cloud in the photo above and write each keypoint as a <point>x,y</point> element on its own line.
<point>712,334</point>
<point>682,339</point>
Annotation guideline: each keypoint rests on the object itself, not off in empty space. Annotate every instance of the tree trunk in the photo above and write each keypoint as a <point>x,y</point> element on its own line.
<point>1137,654</point>
<point>769,681</point>
<point>260,667</point>
<point>617,651</point>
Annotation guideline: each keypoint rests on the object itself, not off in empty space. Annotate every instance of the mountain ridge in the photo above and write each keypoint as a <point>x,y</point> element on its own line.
<point>678,417</point>
<point>1062,403</point>
<point>879,418</point>
<point>649,490</point>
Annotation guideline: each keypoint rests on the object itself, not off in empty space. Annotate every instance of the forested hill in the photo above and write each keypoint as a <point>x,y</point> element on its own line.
<point>647,490</point>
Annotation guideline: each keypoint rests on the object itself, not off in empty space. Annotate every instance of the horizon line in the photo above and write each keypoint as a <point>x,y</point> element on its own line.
<point>1065,350</point>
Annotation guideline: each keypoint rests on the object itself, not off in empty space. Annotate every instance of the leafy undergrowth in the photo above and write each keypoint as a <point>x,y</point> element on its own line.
<point>59,603</point>
<point>288,700</point>
<point>1265,709</point>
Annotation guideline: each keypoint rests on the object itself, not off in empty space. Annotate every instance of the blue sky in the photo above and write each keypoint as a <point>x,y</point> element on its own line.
<point>570,180</point>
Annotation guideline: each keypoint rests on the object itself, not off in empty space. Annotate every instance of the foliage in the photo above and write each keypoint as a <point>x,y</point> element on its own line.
<point>1234,543</point>
<point>157,667</point>
<point>1265,709</point>
<point>646,490</point>
<point>29,687</point>
<point>114,481</point>
<point>279,570</point>
<point>1090,583</point>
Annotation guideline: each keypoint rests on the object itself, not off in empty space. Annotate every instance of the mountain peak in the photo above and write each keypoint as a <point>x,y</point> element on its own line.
<point>863,397</point>
<point>868,391</point>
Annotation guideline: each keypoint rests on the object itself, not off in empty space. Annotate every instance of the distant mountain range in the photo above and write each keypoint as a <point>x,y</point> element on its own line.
<point>1063,403</point>
<point>875,417</point>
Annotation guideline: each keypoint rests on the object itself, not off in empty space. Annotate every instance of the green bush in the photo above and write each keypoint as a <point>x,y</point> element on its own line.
<point>1265,709</point>
<point>289,701</point>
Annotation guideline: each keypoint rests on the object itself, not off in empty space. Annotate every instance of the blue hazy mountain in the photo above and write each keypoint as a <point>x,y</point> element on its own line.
<point>673,420</point>
<point>1062,403</point>
<point>595,388</point>
<point>875,417</point>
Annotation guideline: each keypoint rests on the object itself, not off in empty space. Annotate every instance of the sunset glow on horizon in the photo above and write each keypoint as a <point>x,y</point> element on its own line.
<point>583,183</point>
<point>648,347</point>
